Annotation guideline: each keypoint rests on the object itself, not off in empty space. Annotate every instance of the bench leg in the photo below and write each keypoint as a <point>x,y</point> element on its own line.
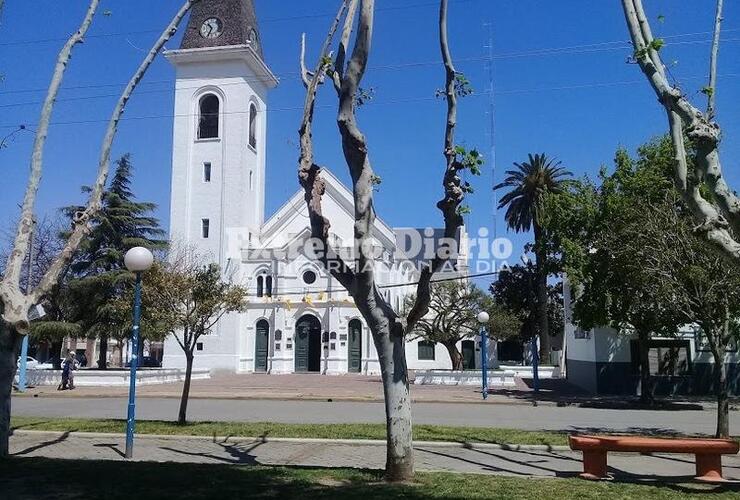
<point>594,464</point>
<point>709,467</point>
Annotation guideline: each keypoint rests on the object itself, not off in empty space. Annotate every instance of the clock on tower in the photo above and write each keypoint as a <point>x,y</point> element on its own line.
<point>221,23</point>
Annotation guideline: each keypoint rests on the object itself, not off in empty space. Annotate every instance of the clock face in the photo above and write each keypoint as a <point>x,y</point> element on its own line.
<point>212,28</point>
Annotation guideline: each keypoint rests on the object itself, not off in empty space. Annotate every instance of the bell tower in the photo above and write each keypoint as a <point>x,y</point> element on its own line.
<point>219,140</point>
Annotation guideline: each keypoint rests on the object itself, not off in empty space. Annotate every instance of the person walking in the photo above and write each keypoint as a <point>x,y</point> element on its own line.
<point>74,366</point>
<point>66,370</point>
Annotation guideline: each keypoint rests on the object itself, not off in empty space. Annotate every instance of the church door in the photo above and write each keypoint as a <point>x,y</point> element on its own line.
<point>261,343</point>
<point>355,346</point>
<point>308,344</point>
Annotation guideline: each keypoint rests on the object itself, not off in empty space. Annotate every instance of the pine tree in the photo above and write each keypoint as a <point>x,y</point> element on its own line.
<point>99,274</point>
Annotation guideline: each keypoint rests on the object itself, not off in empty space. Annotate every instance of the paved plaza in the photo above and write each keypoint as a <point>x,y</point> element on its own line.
<point>538,462</point>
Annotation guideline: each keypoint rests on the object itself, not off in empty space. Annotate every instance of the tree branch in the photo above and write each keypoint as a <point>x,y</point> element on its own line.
<point>82,222</point>
<point>712,88</point>
<point>349,21</point>
<point>16,305</point>
<point>309,173</point>
<point>452,183</point>
<point>714,220</point>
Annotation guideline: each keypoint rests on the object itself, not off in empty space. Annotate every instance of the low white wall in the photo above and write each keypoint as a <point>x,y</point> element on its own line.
<point>113,378</point>
<point>496,378</point>
<point>526,371</point>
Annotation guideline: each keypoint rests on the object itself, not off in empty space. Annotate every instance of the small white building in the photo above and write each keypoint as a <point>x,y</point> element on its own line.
<point>299,318</point>
<point>605,360</point>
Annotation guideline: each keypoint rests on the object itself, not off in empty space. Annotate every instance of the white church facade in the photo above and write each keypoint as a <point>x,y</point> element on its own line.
<point>298,319</point>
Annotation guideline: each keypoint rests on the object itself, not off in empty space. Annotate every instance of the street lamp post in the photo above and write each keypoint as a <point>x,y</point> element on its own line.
<point>137,260</point>
<point>483,320</point>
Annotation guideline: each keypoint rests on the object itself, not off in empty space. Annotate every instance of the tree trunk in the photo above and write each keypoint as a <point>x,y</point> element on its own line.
<point>182,417</point>
<point>455,356</point>
<point>56,354</point>
<point>646,390</point>
<point>103,355</point>
<point>721,390</point>
<point>541,305</point>
<point>10,342</point>
<point>390,344</point>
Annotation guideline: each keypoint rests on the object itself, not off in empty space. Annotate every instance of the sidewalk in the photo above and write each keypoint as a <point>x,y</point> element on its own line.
<point>481,459</point>
<point>314,387</point>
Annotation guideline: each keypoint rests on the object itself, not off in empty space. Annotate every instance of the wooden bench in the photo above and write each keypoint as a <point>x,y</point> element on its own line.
<point>708,452</point>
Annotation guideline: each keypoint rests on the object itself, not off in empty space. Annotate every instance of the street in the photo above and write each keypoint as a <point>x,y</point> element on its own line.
<point>518,416</point>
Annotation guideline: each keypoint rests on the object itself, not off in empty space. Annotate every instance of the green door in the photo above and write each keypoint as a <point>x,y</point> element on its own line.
<point>301,346</point>
<point>468,354</point>
<point>355,346</point>
<point>307,344</point>
<point>261,343</point>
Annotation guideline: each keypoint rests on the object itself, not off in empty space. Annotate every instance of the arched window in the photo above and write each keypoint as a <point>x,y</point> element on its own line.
<point>253,125</point>
<point>260,286</point>
<point>251,180</point>
<point>208,119</point>
<point>268,286</point>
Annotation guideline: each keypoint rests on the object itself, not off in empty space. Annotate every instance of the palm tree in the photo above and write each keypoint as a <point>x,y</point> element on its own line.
<point>530,182</point>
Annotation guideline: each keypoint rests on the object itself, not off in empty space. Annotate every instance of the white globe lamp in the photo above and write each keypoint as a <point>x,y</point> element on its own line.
<point>483,317</point>
<point>138,259</point>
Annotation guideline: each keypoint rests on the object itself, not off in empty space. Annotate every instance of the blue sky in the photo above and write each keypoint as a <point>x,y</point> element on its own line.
<point>562,86</point>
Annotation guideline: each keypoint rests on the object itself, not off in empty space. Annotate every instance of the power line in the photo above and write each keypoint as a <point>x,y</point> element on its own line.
<point>566,50</point>
<point>403,100</point>
<point>262,21</point>
<point>308,291</point>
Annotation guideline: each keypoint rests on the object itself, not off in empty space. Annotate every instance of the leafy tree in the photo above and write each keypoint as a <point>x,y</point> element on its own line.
<point>454,307</point>
<point>529,184</point>
<point>98,270</point>
<point>515,292</point>
<point>184,299</point>
<point>704,284</point>
<point>602,257</point>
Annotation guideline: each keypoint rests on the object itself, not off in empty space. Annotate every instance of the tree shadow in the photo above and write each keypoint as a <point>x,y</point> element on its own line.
<point>45,444</point>
<point>238,454</point>
<point>643,431</point>
<point>112,446</point>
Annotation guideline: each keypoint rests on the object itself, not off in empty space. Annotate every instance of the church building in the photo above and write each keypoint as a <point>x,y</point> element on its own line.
<point>299,319</point>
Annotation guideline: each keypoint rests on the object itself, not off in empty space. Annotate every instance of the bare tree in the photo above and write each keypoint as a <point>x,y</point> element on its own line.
<point>717,210</point>
<point>16,303</point>
<point>388,329</point>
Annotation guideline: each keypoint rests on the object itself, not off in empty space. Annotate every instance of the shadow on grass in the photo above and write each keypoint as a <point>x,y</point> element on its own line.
<point>23,478</point>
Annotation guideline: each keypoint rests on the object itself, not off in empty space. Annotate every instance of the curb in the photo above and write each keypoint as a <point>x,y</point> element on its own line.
<point>566,403</point>
<point>266,439</point>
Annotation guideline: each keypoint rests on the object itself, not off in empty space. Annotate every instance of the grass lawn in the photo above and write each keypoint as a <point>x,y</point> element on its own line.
<point>68,480</point>
<point>270,429</point>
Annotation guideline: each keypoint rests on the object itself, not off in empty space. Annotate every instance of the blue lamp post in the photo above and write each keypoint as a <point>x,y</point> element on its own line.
<point>137,260</point>
<point>483,320</point>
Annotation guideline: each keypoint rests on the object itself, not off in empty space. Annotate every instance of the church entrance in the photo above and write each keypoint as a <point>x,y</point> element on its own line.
<point>355,346</point>
<point>261,343</point>
<point>308,344</point>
